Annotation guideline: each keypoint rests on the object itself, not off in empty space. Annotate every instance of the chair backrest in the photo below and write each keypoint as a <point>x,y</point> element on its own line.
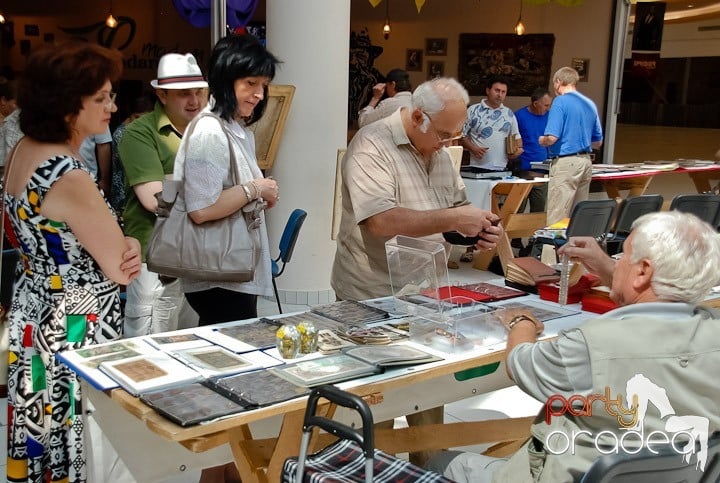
<point>290,234</point>
<point>633,208</point>
<point>704,206</point>
<point>591,218</point>
<point>664,466</point>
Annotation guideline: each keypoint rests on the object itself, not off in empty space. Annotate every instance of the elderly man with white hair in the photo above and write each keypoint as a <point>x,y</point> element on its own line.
<point>671,261</point>
<point>398,180</point>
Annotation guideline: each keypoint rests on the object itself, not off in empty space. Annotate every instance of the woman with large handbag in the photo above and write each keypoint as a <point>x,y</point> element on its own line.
<point>222,186</point>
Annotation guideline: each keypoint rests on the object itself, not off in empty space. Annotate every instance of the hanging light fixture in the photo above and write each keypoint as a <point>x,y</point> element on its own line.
<point>111,21</point>
<point>519,27</point>
<point>386,27</point>
<point>2,18</point>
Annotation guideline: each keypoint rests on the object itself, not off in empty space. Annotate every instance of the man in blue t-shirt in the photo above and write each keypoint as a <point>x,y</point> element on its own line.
<point>532,120</point>
<point>574,126</point>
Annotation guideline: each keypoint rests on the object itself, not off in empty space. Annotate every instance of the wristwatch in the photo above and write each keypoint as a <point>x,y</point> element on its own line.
<point>518,318</point>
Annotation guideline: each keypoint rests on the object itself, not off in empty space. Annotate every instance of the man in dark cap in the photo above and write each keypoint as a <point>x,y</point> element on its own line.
<point>397,88</point>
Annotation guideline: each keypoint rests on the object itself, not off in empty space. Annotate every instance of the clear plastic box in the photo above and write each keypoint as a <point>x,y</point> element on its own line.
<point>459,329</point>
<point>417,269</point>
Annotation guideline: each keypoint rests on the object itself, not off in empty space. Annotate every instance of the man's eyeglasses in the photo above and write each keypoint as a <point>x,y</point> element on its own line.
<point>443,136</point>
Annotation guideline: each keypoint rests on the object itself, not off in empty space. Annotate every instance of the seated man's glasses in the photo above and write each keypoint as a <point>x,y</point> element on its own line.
<point>443,136</point>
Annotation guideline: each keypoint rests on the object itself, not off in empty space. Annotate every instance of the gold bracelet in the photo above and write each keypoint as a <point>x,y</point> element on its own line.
<point>258,193</point>
<point>247,192</point>
<point>519,318</point>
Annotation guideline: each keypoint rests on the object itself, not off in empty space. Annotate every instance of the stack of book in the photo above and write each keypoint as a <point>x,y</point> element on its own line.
<point>525,273</point>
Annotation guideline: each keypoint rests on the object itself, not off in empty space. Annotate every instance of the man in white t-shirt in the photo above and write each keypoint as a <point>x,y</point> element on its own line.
<point>488,124</point>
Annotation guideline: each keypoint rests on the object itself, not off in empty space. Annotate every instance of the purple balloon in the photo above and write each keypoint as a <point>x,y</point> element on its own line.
<point>197,12</point>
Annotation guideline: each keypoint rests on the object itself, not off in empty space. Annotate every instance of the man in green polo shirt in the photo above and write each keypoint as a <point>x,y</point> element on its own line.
<point>147,153</point>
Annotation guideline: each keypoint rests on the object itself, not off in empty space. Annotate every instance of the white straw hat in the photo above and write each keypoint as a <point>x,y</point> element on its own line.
<point>178,71</point>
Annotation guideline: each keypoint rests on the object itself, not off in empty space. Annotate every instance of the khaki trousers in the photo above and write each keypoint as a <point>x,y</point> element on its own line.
<point>569,183</point>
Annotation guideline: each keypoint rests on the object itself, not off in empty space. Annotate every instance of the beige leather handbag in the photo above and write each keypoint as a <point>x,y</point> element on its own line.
<point>225,250</point>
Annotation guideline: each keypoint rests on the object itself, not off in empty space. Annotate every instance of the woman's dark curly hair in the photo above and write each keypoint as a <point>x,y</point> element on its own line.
<point>54,83</point>
<point>235,57</point>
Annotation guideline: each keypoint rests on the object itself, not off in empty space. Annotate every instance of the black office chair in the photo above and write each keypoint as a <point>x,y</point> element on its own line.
<point>630,210</point>
<point>591,218</point>
<point>588,218</point>
<point>287,246</point>
<point>704,206</point>
<point>667,466</point>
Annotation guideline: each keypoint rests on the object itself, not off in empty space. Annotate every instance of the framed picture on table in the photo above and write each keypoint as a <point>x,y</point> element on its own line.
<point>268,130</point>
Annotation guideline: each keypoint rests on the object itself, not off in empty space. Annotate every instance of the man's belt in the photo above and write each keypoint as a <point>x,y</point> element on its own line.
<point>579,153</point>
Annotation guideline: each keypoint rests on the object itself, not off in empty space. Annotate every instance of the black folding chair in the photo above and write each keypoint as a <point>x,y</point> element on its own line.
<point>666,466</point>
<point>630,210</point>
<point>704,206</point>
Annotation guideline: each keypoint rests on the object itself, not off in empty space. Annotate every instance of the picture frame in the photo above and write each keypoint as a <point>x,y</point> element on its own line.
<point>25,47</point>
<point>413,60</point>
<point>582,67</point>
<point>268,130</point>
<point>337,196</point>
<point>436,46</point>
<point>524,60</point>
<point>32,30</point>
<point>435,69</point>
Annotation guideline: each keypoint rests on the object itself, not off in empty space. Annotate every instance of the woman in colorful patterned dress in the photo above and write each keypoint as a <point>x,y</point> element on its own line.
<point>74,255</point>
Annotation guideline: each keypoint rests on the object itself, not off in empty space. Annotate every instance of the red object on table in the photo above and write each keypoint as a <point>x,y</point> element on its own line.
<point>456,294</point>
<point>598,304</point>
<point>551,291</point>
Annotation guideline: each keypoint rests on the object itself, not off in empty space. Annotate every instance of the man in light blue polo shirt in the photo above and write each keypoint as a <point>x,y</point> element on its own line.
<point>574,125</point>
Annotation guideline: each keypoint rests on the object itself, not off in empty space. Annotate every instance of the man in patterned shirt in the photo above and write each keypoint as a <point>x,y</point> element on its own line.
<point>488,124</point>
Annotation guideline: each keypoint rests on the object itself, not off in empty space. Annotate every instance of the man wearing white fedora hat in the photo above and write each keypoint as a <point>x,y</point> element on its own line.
<point>147,153</point>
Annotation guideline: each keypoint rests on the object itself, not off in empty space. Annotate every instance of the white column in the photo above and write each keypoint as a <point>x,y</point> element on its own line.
<point>311,37</point>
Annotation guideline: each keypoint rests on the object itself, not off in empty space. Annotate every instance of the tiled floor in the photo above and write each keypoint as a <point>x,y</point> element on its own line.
<point>506,402</point>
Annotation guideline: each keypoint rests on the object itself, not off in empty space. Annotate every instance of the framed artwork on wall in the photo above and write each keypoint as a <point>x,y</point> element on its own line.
<point>524,60</point>
<point>436,46</point>
<point>435,69</point>
<point>582,67</point>
<point>268,130</point>
<point>413,60</point>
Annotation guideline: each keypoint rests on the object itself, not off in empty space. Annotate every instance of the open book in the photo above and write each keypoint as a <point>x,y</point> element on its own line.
<point>391,355</point>
<point>352,363</point>
<point>326,370</point>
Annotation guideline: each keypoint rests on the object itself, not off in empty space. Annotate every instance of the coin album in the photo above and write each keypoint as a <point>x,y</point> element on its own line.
<point>259,388</point>
<point>191,404</point>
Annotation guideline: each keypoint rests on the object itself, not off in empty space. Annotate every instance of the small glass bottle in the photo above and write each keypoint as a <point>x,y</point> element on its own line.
<point>308,337</point>
<point>287,341</point>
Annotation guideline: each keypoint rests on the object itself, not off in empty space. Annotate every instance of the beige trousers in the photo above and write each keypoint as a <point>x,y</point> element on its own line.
<point>569,183</point>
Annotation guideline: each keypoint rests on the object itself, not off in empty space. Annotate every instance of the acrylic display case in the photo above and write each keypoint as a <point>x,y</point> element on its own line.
<point>417,269</point>
<point>419,280</point>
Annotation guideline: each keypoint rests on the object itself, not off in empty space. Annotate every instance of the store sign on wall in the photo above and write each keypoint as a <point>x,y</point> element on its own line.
<point>122,37</point>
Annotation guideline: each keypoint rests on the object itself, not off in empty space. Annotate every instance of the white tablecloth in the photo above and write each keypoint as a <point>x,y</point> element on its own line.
<point>479,190</point>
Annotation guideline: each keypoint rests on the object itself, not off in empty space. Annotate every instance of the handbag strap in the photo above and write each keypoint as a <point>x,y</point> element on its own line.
<point>233,161</point>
